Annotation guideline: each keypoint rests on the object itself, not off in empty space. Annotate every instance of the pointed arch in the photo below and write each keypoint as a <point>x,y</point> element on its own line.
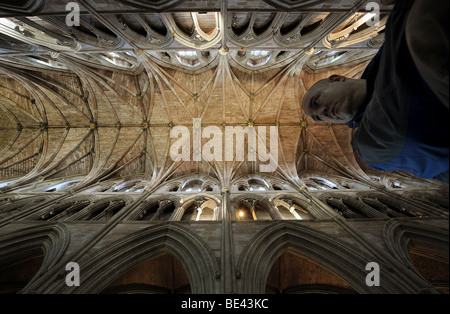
<point>248,203</point>
<point>49,240</point>
<point>400,234</point>
<point>294,274</point>
<point>160,274</point>
<point>195,256</point>
<point>337,256</point>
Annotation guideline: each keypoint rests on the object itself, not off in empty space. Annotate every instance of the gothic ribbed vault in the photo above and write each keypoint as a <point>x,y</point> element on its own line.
<point>101,99</point>
<point>91,112</point>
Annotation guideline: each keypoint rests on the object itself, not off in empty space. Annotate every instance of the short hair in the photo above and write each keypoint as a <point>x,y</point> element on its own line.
<point>318,83</point>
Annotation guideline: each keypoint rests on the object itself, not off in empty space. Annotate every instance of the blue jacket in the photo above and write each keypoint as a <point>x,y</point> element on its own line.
<point>402,126</point>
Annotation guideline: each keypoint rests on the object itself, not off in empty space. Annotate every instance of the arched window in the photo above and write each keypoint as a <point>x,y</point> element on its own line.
<point>5,183</point>
<point>259,57</point>
<point>376,204</point>
<point>188,58</point>
<point>200,209</point>
<point>128,186</point>
<point>261,212</point>
<point>252,209</point>
<point>191,212</point>
<point>166,211</point>
<point>256,185</point>
<point>104,210</point>
<point>243,212</point>
<point>174,188</point>
<point>242,188</point>
<point>399,208</point>
<point>208,188</point>
<point>55,211</point>
<point>353,185</point>
<point>290,209</point>
<point>17,204</point>
<point>148,211</point>
<point>311,187</point>
<point>341,208</point>
<point>61,212</point>
<point>193,186</point>
<point>324,183</point>
<point>206,209</point>
<point>206,213</point>
<point>99,188</point>
<point>116,59</point>
<point>139,188</point>
<point>61,186</point>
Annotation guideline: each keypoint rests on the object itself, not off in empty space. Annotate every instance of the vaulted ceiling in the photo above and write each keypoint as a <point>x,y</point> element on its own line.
<point>100,99</point>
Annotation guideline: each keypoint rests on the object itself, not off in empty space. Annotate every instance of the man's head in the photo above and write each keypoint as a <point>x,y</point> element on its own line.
<point>335,100</point>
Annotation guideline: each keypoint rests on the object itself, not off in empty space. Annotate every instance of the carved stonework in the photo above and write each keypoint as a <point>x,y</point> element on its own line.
<point>155,5</point>
<point>290,5</point>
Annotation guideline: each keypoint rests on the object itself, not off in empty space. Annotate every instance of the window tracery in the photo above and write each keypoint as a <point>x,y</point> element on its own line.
<point>30,32</point>
<point>61,186</point>
<point>257,185</point>
<point>200,209</point>
<point>63,211</point>
<point>324,184</point>
<point>174,188</point>
<point>252,209</point>
<point>329,60</point>
<point>291,209</point>
<point>198,38</point>
<point>3,184</point>
<point>148,211</point>
<point>103,210</point>
<point>192,186</point>
<point>165,211</point>
<point>356,30</point>
<point>11,206</point>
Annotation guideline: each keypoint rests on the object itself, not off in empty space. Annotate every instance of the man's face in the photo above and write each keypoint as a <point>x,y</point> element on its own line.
<point>335,100</point>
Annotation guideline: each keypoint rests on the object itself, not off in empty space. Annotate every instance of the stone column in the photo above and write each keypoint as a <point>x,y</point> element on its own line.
<point>228,282</point>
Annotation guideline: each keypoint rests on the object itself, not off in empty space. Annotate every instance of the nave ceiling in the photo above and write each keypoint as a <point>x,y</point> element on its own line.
<point>99,100</point>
